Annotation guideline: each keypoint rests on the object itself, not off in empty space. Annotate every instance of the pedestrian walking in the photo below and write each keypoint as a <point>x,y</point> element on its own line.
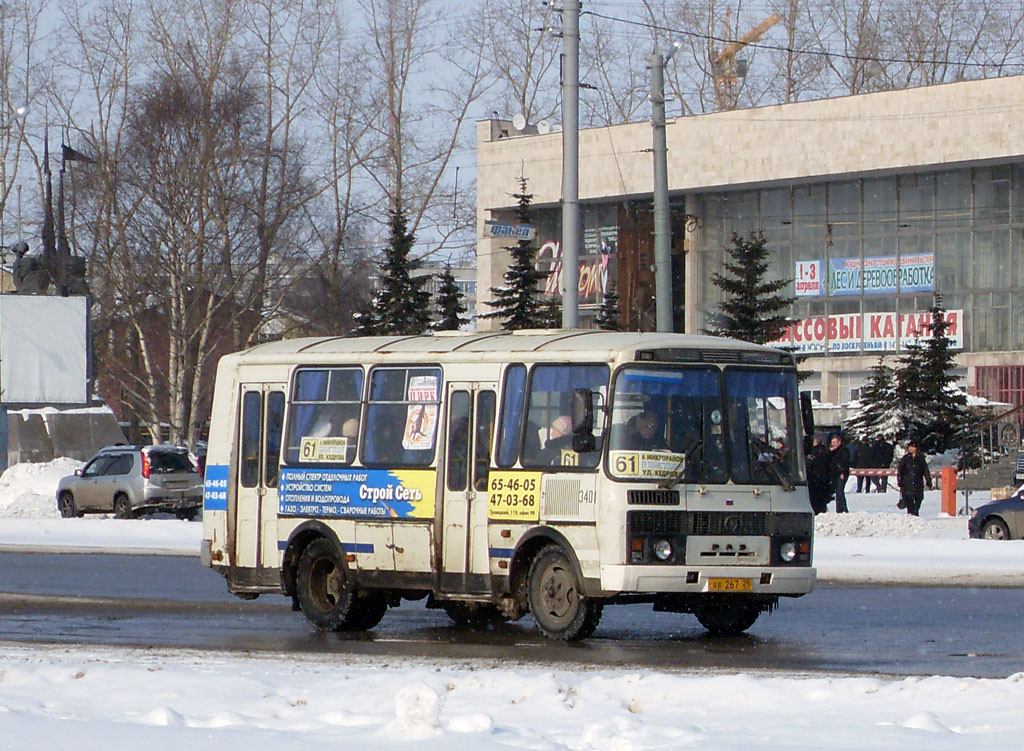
<point>883,452</point>
<point>839,470</point>
<point>911,477</point>
<point>861,457</point>
<point>818,487</point>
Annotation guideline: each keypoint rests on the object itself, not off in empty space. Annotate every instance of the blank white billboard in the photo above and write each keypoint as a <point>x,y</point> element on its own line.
<point>43,343</point>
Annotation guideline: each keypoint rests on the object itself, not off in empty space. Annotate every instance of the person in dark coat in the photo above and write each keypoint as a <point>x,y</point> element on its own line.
<point>911,477</point>
<point>818,487</point>
<point>839,471</point>
<point>882,453</point>
<point>861,458</point>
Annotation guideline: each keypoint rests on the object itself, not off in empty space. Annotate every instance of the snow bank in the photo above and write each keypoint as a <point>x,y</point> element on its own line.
<point>52,697</point>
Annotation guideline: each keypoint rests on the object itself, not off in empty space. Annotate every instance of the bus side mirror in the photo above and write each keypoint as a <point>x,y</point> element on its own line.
<point>807,412</point>
<point>583,421</point>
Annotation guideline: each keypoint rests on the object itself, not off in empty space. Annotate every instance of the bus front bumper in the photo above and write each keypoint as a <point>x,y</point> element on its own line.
<point>775,580</point>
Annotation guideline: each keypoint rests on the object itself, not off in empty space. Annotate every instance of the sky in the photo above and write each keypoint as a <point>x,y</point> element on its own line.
<point>108,698</point>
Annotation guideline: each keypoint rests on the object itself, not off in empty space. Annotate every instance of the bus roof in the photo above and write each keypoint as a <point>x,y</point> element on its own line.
<point>531,344</point>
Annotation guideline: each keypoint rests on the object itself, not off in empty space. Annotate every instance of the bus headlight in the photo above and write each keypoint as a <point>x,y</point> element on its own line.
<point>663,550</point>
<point>787,552</point>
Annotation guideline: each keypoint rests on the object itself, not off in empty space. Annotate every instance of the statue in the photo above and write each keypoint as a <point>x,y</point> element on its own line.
<point>77,285</point>
<point>30,278</point>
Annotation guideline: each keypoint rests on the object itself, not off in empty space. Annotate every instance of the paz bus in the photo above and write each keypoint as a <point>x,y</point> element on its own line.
<point>495,474</point>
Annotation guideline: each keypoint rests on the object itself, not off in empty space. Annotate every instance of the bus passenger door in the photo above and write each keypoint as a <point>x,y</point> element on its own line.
<point>470,431</point>
<point>259,450</point>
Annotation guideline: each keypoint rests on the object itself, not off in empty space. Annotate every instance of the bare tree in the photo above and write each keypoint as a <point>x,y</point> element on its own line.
<point>518,38</point>
<point>20,40</point>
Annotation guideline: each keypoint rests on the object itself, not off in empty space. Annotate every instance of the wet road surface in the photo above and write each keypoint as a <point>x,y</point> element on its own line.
<point>169,601</point>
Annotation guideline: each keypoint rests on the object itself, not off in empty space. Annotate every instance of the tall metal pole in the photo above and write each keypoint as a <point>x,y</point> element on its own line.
<point>570,162</point>
<point>662,226</point>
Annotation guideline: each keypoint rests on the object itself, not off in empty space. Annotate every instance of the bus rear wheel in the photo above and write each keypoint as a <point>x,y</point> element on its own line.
<point>326,596</point>
<point>556,598</point>
<point>727,616</point>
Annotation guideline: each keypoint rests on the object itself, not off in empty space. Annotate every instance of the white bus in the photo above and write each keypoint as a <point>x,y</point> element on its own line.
<point>504,473</point>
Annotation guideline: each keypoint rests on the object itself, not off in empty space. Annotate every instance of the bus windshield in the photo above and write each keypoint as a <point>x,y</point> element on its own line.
<point>688,424</point>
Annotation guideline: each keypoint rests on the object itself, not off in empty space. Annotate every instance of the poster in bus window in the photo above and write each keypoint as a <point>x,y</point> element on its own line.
<point>422,389</point>
<point>420,421</point>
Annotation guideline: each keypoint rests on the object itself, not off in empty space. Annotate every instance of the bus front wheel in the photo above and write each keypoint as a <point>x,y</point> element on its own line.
<point>557,602</point>
<point>326,596</point>
<point>727,616</point>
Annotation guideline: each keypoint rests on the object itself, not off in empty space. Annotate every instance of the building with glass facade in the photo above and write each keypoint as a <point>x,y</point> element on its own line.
<point>871,205</point>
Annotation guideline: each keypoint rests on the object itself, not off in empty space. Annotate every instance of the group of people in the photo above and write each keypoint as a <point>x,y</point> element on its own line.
<point>876,454</point>
<point>828,469</point>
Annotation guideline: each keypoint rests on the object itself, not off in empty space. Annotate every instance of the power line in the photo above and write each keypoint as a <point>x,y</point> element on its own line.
<point>794,51</point>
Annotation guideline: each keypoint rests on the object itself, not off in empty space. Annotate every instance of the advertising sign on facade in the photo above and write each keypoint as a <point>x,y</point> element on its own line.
<point>867,332</point>
<point>810,278</point>
<point>875,275</point>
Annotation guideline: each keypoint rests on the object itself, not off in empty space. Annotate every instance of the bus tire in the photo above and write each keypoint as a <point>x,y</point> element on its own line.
<point>369,610</point>
<point>326,596</point>
<point>727,616</point>
<point>557,602</point>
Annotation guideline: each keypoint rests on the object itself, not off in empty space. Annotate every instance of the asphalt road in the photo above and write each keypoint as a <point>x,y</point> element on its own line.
<point>165,601</point>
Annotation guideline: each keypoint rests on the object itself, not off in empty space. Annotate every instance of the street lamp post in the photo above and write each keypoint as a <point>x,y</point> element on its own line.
<point>570,162</point>
<point>662,224</point>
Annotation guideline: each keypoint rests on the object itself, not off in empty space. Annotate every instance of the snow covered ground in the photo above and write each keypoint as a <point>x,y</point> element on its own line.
<point>93,698</point>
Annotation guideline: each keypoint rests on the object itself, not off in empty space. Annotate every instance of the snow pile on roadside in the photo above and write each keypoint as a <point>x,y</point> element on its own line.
<point>883,524</point>
<point>27,490</point>
<point>51,697</point>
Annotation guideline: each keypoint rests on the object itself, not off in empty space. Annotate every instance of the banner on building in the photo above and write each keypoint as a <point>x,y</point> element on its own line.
<point>867,332</point>
<point>810,278</point>
<point>875,275</point>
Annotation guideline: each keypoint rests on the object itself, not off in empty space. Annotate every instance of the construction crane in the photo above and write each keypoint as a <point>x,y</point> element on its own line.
<point>725,68</point>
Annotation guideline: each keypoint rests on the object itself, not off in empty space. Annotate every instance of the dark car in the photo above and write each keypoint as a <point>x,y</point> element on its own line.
<point>999,520</point>
<point>134,480</point>
<point>1018,472</point>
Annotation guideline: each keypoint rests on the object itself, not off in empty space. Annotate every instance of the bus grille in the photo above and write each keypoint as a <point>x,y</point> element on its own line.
<point>751,524</point>
<point>656,523</point>
<point>653,497</point>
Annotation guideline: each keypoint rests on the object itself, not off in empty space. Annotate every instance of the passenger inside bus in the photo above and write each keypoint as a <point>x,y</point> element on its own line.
<point>559,440</point>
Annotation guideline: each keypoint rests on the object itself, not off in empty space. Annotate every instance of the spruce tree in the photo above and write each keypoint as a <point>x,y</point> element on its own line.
<point>518,303</point>
<point>948,404</point>
<point>912,399</point>
<point>879,412</point>
<point>401,304</point>
<point>448,301</point>
<point>607,318</point>
<point>753,308</point>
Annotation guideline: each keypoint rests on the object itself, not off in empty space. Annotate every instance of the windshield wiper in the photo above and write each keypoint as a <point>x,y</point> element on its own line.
<point>676,474</point>
<point>772,460</point>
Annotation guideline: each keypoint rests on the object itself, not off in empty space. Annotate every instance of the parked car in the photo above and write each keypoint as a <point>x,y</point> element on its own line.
<point>132,481</point>
<point>1018,472</point>
<point>999,520</point>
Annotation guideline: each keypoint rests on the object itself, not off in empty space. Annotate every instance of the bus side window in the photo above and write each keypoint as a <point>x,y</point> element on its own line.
<point>250,439</point>
<point>458,441</point>
<point>512,412</point>
<point>485,403</point>
<point>275,425</point>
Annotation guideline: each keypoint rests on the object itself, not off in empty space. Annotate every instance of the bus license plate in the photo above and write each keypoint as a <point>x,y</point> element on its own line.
<point>730,585</point>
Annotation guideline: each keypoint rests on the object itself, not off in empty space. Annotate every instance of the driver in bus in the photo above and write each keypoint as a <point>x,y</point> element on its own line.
<point>641,433</point>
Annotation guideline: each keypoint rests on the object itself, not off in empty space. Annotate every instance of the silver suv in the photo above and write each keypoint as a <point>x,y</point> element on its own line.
<point>132,481</point>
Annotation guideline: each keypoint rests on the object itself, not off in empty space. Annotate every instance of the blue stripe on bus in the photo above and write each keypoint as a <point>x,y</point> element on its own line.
<point>348,547</point>
<point>501,552</point>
